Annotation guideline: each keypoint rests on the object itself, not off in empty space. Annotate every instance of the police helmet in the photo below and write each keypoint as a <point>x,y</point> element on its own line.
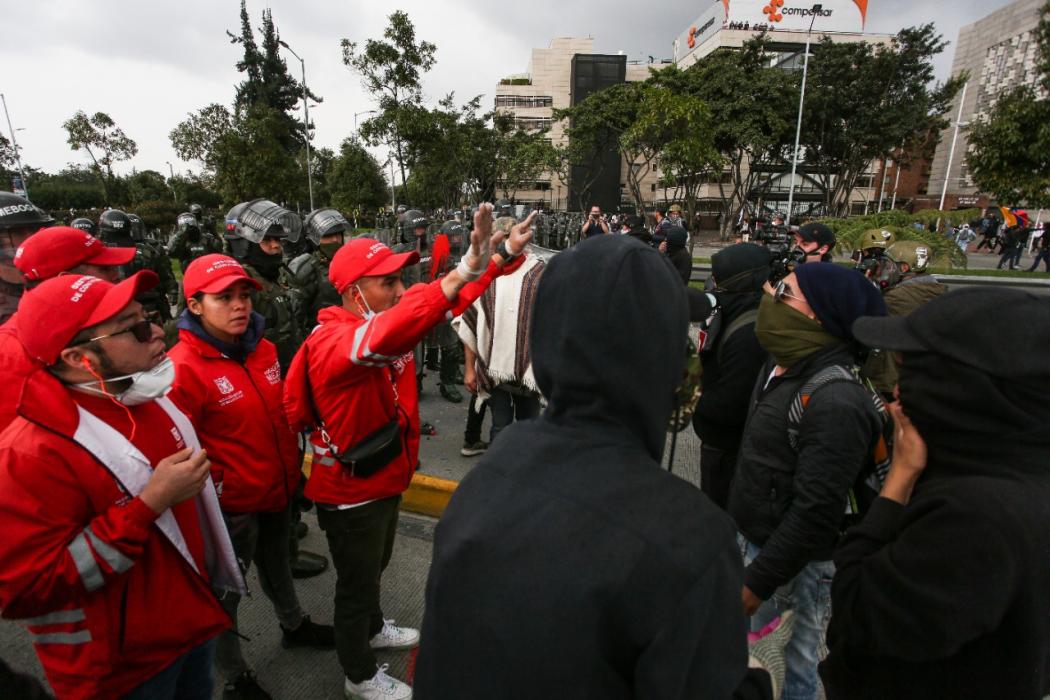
<point>19,214</point>
<point>197,211</point>
<point>187,224</point>
<point>138,229</point>
<point>876,238</point>
<point>260,218</point>
<point>324,222</point>
<point>915,253</point>
<point>503,207</point>
<point>84,224</point>
<point>114,226</point>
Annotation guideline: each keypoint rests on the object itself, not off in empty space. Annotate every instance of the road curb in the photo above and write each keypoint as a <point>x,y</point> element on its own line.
<point>428,495</point>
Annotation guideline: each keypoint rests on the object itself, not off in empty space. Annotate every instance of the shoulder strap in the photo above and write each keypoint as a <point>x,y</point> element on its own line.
<point>739,322</point>
<point>828,375</point>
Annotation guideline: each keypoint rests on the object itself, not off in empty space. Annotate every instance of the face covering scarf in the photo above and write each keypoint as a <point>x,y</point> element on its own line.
<point>788,335</point>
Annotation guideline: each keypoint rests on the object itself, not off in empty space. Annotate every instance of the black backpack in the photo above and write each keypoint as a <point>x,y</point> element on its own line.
<point>869,482</point>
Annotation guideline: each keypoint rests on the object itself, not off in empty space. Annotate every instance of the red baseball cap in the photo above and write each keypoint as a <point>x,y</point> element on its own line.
<point>55,311</point>
<point>51,251</point>
<point>364,257</point>
<point>213,273</point>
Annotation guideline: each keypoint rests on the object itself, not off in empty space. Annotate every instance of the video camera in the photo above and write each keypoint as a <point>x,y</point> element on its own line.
<point>783,261</point>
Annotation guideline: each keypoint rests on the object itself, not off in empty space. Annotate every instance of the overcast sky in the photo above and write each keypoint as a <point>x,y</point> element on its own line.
<point>148,64</point>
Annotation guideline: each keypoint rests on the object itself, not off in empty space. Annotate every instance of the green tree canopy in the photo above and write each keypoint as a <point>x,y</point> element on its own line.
<point>391,69</point>
<point>103,141</point>
<point>355,179</point>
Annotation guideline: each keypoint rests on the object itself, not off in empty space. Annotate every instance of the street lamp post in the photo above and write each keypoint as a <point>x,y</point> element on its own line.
<point>801,100</point>
<point>306,125</point>
<point>14,147</point>
<point>171,170</point>
<point>951,151</point>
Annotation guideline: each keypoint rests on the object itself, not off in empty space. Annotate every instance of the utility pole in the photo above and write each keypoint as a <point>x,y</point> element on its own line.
<point>801,100</point>
<point>306,125</point>
<point>174,194</point>
<point>14,146</point>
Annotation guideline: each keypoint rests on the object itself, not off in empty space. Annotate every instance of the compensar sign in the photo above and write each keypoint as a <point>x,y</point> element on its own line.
<point>833,16</point>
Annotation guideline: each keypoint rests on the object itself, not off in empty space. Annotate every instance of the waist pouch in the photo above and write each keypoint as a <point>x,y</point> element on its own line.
<point>373,452</point>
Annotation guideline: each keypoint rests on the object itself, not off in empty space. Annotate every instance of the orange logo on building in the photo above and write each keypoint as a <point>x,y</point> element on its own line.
<point>772,10</point>
<point>692,37</point>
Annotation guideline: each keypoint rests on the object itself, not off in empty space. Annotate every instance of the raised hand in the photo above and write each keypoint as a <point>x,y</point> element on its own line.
<point>482,233</point>
<point>521,234</point>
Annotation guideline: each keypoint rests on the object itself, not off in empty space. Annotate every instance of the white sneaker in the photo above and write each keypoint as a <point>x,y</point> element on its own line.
<point>394,637</point>
<point>378,687</point>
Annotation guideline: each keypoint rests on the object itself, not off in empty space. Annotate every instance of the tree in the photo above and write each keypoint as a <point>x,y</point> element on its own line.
<point>8,160</point>
<point>846,128</point>
<point>749,125</point>
<point>148,185</point>
<point>593,130</point>
<point>391,70</point>
<point>197,137</point>
<point>1009,154</point>
<point>356,179</point>
<point>103,141</point>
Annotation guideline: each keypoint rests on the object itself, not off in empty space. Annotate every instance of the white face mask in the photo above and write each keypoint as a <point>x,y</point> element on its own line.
<point>366,313</point>
<point>145,386</point>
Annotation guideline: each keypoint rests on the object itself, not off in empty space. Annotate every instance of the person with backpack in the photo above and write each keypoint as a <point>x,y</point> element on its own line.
<point>811,430</point>
<point>731,358</point>
<point>940,592</point>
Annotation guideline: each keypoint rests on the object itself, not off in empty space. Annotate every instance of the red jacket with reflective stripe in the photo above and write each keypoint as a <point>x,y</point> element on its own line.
<point>236,409</point>
<point>356,369</point>
<point>110,600</point>
<point>15,364</point>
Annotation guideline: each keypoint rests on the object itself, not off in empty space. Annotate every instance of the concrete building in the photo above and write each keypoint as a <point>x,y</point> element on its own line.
<point>548,84</point>
<point>999,52</point>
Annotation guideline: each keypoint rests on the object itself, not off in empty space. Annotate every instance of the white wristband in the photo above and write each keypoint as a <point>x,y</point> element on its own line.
<point>467,271</point>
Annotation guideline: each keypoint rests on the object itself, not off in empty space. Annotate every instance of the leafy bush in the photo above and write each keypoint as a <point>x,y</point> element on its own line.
<point>945,253</point>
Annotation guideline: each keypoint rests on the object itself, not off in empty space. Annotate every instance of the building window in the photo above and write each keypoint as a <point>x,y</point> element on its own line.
<point>530,123</point>
<point>523,101</point>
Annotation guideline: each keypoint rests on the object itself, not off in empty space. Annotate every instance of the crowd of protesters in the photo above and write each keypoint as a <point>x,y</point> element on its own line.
<point>857,532</point>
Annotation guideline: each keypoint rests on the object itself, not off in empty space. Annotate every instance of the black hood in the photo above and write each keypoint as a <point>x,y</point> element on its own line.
<point>609,337</point>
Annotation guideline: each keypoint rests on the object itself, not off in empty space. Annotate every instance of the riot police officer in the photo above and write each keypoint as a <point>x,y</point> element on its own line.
<point>85,224</point>
<point>326,230</point>
<point>190,241</point>
<point>19,219</point>
<point>115,228</point>
<point>255,232</point>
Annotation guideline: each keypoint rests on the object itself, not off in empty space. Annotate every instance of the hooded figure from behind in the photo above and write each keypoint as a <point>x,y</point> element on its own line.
<point>568,563</point>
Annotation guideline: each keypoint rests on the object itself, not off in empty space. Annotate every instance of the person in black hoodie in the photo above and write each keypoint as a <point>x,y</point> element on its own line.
<point>731,363</point>
<point>568,563</point>
<point>789,494</point>
<point>674,248</point>
<point>941,591</point>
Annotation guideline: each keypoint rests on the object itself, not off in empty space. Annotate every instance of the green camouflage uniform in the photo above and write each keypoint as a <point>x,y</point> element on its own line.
<point>157,301</point>
<point>901,300</point>
<point>186,251</point>
<point>280,303</point>
<point>310,272</point>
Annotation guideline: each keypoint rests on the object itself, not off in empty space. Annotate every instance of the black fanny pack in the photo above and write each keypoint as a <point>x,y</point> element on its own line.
<point>373,452</point>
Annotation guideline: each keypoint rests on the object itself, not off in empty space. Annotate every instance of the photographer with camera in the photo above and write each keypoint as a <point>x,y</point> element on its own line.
<point>595,224</point>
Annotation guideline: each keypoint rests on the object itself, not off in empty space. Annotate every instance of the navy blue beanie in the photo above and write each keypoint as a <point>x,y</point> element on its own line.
<point>838,296</point>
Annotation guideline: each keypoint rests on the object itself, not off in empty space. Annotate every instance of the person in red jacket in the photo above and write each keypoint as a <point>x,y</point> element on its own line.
<point>228,381</point>
<point>354,382</point>
<point>53,251</point>
<point>113,537</point>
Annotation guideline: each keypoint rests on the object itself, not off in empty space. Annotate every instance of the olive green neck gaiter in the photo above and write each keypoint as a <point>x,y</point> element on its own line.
<point>788,335</point>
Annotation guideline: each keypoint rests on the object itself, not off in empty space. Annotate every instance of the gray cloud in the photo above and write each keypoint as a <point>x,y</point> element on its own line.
<point>148,64</point>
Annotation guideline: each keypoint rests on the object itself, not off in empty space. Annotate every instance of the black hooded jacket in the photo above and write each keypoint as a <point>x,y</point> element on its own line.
<point>947,597</point>
<point>568,563</point>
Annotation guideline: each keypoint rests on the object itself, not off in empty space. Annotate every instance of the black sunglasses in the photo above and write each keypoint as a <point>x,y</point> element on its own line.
<point>142,330</point>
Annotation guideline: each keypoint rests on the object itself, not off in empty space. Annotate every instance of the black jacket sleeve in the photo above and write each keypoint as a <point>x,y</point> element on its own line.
<point>918,583</point>
<point>726,396</point>
<point>836,435</point>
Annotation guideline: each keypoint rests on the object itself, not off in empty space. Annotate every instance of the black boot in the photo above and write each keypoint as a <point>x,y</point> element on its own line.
<point>308,634</point>
<point>244,687</point>
<point>308,564</point>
